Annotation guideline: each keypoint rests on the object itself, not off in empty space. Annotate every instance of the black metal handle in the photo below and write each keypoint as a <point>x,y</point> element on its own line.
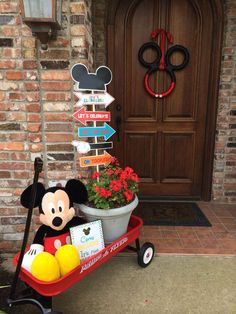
<point>38,166</point>
<point>118,124</point>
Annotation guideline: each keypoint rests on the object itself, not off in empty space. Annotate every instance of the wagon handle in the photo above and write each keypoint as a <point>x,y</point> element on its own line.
<point>38,166</point>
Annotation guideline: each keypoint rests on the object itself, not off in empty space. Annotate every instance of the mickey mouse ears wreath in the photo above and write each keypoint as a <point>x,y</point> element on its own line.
<point>91,81</point>
<point>162,61</point>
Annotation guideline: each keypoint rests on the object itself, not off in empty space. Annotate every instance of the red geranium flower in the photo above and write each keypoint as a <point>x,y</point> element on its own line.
<point>110,172</point>
<point>115,185</point>
<point>134,177</point>
<point>112,186</point>
<point>95,175</point>
<point>128,195</point>
<point>118,171</point>
<point>104,193</point>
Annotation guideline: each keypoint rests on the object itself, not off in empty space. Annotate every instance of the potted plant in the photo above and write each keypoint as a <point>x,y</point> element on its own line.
<point>111,198</point>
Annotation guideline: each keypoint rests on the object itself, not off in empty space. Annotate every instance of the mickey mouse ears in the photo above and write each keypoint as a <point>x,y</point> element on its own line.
<point>91,81</point>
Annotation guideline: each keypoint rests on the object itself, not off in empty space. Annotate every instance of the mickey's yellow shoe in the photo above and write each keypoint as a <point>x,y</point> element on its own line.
<point>68,258</point>
<point>45,267</point>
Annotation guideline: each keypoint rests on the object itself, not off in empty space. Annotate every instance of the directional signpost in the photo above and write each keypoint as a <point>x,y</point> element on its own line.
<point>95,83</point>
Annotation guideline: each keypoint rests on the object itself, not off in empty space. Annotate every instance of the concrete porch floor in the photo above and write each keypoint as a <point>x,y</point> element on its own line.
<point>220,239</point>
<point>169,285</point>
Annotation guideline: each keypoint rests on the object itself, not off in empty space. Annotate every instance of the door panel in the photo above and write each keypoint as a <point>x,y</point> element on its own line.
<point>162,139</point>
<point>141,145</point>
<point>177,158</point>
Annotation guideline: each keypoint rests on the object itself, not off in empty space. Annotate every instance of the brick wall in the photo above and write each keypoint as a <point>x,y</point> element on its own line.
<point>224,174</point>
<point>36,106</point>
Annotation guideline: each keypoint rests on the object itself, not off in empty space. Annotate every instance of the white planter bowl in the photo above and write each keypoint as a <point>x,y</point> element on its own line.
<point>114,221</point>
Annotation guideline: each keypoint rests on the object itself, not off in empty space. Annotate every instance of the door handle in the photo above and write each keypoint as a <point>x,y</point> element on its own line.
<point>118,127</point>
<point>118,107</point>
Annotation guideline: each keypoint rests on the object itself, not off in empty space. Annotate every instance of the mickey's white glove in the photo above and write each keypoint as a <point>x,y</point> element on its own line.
<point>82,147</point>
<point>29,256</point>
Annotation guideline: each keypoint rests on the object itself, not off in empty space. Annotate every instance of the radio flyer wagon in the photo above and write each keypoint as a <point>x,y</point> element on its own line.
<point>40,293</point>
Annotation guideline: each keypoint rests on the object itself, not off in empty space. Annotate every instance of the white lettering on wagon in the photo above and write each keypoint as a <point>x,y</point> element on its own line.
<point>91,263</point>
<point>100,256</point>
<point>118,244</point>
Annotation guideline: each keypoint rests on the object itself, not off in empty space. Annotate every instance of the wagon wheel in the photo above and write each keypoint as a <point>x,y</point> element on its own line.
<point>146,254</point>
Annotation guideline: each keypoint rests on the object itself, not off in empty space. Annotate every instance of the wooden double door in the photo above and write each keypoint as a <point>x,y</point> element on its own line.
<point>166,140</point>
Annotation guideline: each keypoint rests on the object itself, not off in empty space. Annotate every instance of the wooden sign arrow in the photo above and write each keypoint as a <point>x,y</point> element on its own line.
<point>90,161</point>
<point>84,116</point>
<point>106,131</point>
<point>94,99</point>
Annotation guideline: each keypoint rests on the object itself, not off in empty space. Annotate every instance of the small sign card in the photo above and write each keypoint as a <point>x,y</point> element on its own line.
<point>88,238</point>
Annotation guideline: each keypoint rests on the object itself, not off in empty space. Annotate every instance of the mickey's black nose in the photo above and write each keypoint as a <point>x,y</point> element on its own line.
<point>57,221</point>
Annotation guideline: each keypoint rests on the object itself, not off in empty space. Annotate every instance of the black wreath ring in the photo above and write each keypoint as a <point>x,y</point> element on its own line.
<point>168,67</point>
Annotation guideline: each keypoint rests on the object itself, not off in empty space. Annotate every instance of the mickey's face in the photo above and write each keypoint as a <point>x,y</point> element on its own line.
<point>56,210</point>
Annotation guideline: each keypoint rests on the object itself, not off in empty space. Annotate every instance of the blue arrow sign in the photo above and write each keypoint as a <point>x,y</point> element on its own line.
<point>106,131</point>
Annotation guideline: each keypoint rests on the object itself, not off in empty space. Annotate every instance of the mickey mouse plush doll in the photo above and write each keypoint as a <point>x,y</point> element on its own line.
<point>56,215</point>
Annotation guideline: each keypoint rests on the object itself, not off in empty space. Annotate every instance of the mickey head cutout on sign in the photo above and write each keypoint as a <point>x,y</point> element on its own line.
<point>91,81</point>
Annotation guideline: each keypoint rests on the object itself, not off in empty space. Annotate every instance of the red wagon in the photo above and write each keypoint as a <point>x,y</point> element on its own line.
<point>40,292</point>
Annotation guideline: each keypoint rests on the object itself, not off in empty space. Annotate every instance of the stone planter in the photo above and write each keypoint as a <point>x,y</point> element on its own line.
<point>114,221</point>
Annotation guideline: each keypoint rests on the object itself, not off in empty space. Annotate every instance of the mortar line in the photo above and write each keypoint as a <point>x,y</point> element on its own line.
<point>44,146</point>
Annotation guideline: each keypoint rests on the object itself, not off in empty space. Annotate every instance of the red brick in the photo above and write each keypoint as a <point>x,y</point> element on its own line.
<point>57,96</point>
<point>53,54</point>
<point>4,156</point>
<point>30,64</point>
<point>31,75</point>
<point>33,117</point>
<point>55,75</point>
<point>32,96</point>
<point>16,116</point>
<point>17,137</point>
<point>14,75</point>
<point>17,96</point>
<point>59,127</point>
<point>11,146</point>
<point>9,7</point>
<point>19,156</point>
<point>26,31</point>
<point>2,96</point>
<point>21,175</point>
<point>2,116</point>
<point>11,53</point>
<point>58,117</point>
<point>33,108</point>
<point>51,137</point>
<point>10,31</point>
<point>6,245</point>
<point>35,138</point>
<point>13,165</point>
<point>7,64</point>
<point>34,127</point>
<point>60,42</point>
<point>5,174</point>
<point>29,86</point>
<point>57,86</point>
<point>36,147</point>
